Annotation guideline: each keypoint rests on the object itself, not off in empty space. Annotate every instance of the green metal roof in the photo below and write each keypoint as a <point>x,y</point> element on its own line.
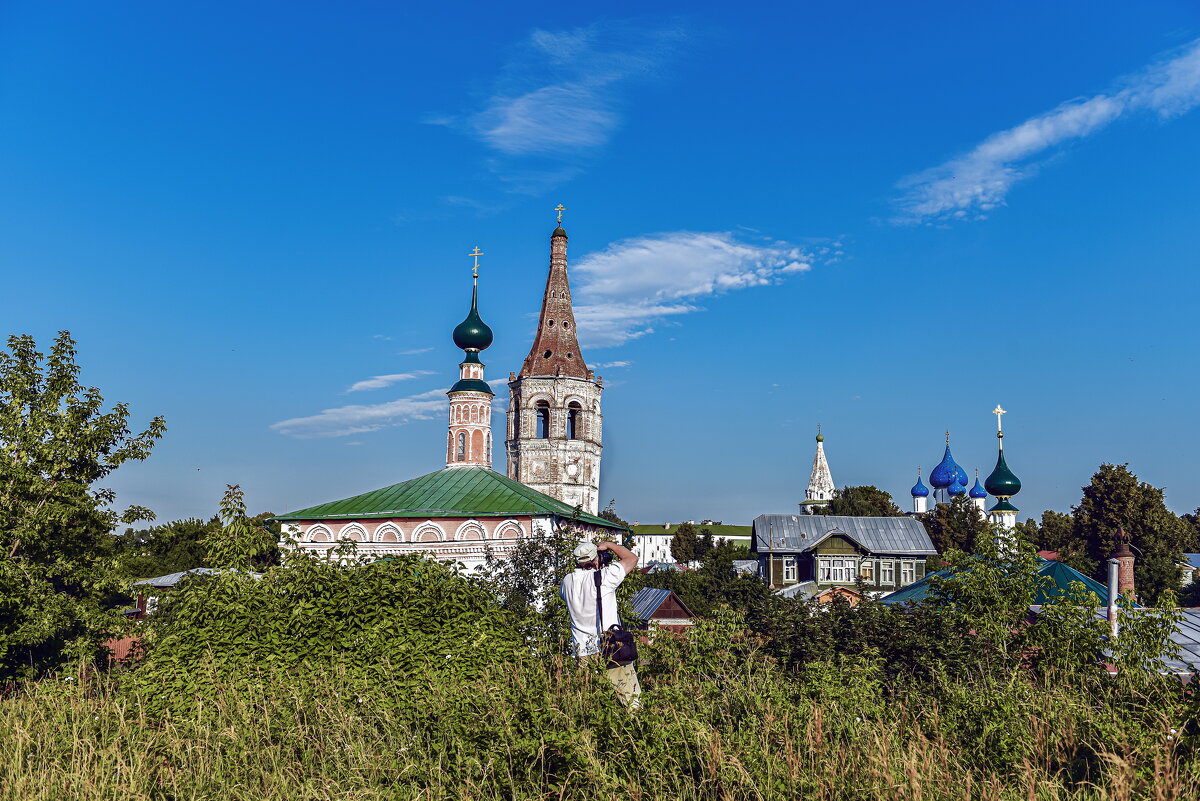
<point>450,492</point>
<point>1060,575</point>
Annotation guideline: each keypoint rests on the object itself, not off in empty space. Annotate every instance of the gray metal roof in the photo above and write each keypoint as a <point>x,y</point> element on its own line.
<point>1186,636</point>
<point>746,566</point>
<point>171,579</point>
<point>883,535</point>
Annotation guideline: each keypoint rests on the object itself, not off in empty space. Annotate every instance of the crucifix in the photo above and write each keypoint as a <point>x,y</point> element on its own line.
<point>560,209</point>
<point>998,411</point>
<point>476,253</point>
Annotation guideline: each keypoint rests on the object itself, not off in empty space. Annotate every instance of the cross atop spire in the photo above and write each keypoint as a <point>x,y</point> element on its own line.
<point>998,411</point>
<point>947,437</point>
<point>560,208</point>
<point>476,253</point>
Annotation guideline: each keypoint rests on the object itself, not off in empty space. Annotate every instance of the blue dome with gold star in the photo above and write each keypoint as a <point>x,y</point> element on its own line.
<point>919,489</point>
<point>947,471</point>
<point>978,491</point>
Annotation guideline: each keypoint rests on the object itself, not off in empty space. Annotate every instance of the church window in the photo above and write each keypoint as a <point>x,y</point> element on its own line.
<point>549,323</point>
<point>543,419</point>
<point>547,354</point>
<point>566,324</point>
<point>573,411</point>
<point>462,447</point>
<point>570,355</point>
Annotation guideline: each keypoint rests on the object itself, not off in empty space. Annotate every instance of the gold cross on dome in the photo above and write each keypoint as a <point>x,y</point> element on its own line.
<point>998,411</point>
<point>476,253</point>
<point>560,208</point>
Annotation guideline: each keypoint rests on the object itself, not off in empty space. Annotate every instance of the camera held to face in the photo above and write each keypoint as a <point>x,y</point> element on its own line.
<point>606,557</point>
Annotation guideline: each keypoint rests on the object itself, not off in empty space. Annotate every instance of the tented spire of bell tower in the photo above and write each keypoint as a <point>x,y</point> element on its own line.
<point>555,348</point>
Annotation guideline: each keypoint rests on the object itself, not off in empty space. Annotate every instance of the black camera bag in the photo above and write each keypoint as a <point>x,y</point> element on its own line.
<point>616,643</point>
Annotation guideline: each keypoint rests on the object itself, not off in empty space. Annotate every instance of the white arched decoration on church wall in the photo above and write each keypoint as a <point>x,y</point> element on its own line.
<point>319,533</point>
<point>355,532</point>
<point>389,532</point>
<point>428,531</point>
<point>510,530</point>
<point>468,528</point>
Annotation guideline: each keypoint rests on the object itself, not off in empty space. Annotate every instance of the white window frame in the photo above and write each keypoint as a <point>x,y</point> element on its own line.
<point>789,568</point>
<point>908,573</point>
<point>866,570</point>
<point>887,571</point>
<point>838,570</point>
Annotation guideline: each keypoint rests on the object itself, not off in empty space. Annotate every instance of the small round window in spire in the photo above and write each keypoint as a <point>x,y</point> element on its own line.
<point>570,355</point>
<point>566,324</point>
<point>550,324</point>
<point>547,354</point>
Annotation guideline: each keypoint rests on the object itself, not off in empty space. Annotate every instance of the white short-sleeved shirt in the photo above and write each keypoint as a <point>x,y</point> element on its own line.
<point>579,591</point>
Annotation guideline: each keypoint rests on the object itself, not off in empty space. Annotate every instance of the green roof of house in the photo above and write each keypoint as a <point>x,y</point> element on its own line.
<point>1060,575</point>
<point>451,492</point>
<point>718,531</point>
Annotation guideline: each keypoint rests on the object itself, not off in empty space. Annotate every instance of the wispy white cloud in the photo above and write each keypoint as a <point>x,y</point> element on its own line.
<point>381,381</point>
<point>414,351</point>
<point>561,95</point>
<point>606,365</point>
<point>971,185</point>
<point>633,284</point>
<point>359,419</point>
<point>345,421</point>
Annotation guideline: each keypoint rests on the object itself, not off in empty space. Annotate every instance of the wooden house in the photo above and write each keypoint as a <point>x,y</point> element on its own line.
<point>823,551</point>
<point>662,607</point>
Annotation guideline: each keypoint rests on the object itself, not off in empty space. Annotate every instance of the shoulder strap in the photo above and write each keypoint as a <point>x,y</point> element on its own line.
<point>599,605</point>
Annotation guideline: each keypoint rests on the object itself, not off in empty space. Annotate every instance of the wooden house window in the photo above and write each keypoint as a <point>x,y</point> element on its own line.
<point>837,571</point>
<point>867,571</point>
<point>908,573</point>
<point>887,572</point>
<point>789,568</point>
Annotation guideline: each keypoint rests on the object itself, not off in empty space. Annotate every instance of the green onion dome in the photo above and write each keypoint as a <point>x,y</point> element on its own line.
<point>559,231</point>
<point>1002,483</point>
<point>473,333</point>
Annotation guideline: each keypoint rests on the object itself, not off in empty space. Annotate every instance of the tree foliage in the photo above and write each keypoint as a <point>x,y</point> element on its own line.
<point>57,442</point>
<point>1116,499</point>
<point>864,501</point>
<point>685,544</point>
<point>957,525</point>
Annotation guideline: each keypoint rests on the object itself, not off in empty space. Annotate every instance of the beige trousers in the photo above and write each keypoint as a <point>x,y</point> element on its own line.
<point>623,679</point>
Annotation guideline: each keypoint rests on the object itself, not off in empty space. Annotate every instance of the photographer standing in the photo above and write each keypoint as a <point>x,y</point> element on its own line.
<point>580,590</point>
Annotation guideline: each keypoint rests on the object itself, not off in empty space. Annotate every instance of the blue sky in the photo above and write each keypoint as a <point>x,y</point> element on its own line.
<point>883,218</point>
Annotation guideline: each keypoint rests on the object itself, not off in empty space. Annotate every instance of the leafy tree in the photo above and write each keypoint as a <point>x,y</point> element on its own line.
<point>865,501</point>
<point>1116,499</point>
<point>1056,532</point>
<point>685,545</point>
<point>56,443</point>
<point>169,548</point>
<point>239,542</point>
<point>957,525</point>
<point>1191,522</point>
<point>705,544</point>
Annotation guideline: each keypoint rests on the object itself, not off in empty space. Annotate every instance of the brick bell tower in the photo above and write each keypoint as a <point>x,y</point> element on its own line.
<point>554,420</point>
<point>469,439</point>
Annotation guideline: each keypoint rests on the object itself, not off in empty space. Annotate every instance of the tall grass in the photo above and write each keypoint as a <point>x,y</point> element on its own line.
<point>549,730</point>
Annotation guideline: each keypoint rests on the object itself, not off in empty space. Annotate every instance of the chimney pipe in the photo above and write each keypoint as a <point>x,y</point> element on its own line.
<point>1114,569</point>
